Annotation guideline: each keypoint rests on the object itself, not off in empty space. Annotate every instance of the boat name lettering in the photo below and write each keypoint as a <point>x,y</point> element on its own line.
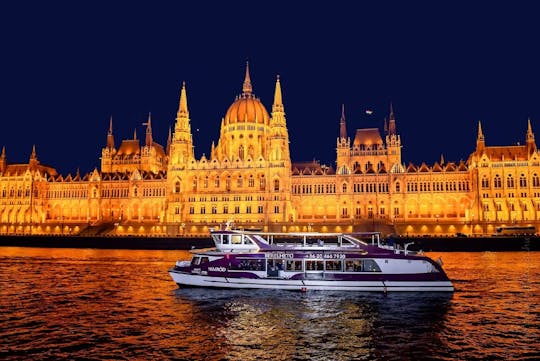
<point>279,255</point>
<point>217,269</point>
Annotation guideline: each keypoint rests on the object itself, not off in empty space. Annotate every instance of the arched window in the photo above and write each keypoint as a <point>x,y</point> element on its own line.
<point>497,183</point>
<point>177,187</point>
<point>262,183</point>
<point>510,181</point>
<point>522,181</point>
<point>344,188</point>
<point>276,185</point>
<point>536,180</point>
<point>241,152</point>
<point>485,182</point>
<point>398,187</point>
<point>216,182</point>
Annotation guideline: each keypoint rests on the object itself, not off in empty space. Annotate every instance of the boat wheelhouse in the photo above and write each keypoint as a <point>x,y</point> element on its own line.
<point>309,261</point>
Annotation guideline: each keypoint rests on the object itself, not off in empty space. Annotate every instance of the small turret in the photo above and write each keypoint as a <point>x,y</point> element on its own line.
<point>3,160</point>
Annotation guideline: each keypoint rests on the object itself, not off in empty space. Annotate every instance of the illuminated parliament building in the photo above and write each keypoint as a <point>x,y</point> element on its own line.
<point>145,188</point>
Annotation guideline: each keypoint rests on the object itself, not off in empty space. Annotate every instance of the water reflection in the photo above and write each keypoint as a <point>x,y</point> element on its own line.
<point>279,325</point>
<point>107,304</point>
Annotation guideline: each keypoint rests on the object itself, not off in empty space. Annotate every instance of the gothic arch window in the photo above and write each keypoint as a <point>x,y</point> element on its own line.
<point>356,166</point>
<point>135,191</point>
<point>536,180</point>
<point>251,182</point>
<point>522,181</point>
<point>368,166</point>
<point>344,188</point>
<point>241,152</point>
<point>344,170</point>
<point>228,183</point>
<point>251,150</point>
<point>398,187</point>
<point>206,182</point>
<point>497,183</point>
<point>262,183</point>
<point>195,183</point>
<point>177,187</point>
<point>380,165</point>
<point>216,182</point>
<point>510,181</point>
<point>240,182</point>
<point>485,182</point>
<point>276,185</point>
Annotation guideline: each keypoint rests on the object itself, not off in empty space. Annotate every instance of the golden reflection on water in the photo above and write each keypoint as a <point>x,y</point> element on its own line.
<point>113,304</point>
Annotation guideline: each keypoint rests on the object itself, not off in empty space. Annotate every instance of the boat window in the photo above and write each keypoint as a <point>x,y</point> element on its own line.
<point>204,260</point>
<point>225,239</point>
<point>248,265</point>
<point>313,265</point>
<point>293,265</point>
<point>370,265</point>
<point>196,260</point>
<point>353,266</point>
<point>247,241</point>
<point>236,239</point>
<point>364,265</point>
<point>334,265</point>
<point>275,264</point>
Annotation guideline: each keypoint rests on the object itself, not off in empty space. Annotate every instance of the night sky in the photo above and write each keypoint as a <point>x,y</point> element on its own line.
<point>68,66</point>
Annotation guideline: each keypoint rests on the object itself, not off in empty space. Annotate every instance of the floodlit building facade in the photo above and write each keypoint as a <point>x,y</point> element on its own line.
<point>144,188</point>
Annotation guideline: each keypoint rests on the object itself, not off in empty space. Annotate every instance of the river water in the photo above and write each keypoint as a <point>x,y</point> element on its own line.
<point>121,305</point>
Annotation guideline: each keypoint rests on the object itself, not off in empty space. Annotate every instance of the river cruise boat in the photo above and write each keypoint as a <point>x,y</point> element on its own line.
<point>309,261</point>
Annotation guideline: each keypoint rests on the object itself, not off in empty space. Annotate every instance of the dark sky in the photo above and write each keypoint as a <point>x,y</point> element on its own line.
<point>67,66</point>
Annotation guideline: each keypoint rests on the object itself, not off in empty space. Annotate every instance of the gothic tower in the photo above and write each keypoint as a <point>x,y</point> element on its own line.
<point>181,147</point>
<point>393,141</point>
<point>343,142</point>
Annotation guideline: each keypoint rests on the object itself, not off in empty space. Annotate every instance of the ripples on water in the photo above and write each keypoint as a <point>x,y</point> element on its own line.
<point>115,305</point>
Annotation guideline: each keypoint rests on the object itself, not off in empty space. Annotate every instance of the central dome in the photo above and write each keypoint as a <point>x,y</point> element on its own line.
<point>247,108</point>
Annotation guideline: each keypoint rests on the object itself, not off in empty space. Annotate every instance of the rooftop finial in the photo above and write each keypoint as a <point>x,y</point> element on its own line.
<point>278,100</point>
<point>247,88</point>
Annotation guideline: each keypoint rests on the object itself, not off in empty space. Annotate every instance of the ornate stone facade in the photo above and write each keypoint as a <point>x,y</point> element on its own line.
<point>249,179</point>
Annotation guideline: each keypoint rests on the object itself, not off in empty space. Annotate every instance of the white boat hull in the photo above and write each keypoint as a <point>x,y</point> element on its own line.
<point>196,280</point>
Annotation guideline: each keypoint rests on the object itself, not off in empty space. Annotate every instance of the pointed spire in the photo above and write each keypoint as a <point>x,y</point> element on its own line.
<point>442,159</point>
<point>392,122</point>
<point>33,157</point>
<point>169,141</point>
<point>247,88</point>
<point>110,137</point>
<point>480,142</point>
<point>149,140</point>
<point>277,93</point>
<point>342,125</point>
<point>530,136</point>
<point>3,155</point>
<point>385,125</point>
<point>480,133</point>
<point>135,134</point>
<point>182,107</point>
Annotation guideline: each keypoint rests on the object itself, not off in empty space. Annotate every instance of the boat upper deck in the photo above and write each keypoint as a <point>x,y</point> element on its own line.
<point>239,241</point>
